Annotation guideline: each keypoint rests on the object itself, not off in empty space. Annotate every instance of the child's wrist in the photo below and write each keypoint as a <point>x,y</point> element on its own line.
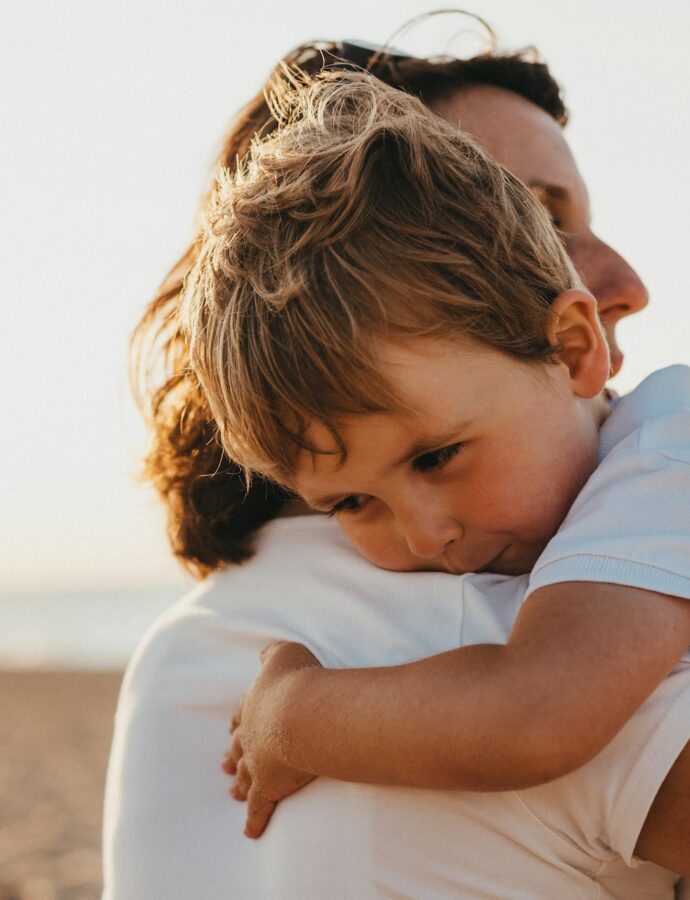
<point>295,715</point>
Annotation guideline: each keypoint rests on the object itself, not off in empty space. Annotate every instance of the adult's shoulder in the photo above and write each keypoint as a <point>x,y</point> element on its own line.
<point>305,582</point>
<point>166,802</point>
<point>231,608</point>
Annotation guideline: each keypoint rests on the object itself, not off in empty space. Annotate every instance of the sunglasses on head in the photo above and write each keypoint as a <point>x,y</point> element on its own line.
<point>362,55</point>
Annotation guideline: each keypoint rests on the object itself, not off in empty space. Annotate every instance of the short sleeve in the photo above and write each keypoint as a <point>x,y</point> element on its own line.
<point>630,524</point>
<point>604,804</point>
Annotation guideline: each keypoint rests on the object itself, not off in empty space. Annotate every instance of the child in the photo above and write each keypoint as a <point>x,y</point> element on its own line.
<point>385,322</point>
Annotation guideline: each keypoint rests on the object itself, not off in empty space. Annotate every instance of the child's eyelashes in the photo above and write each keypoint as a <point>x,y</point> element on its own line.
<point>425,462</point>
<point>436,459</point>
<point>351,503</point>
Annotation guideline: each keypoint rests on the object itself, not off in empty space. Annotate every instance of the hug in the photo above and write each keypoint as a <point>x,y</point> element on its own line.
<point>384,321</point>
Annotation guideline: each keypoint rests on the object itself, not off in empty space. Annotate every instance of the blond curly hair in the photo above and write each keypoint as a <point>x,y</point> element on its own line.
<point>363,215</point>
<point>212,512</point>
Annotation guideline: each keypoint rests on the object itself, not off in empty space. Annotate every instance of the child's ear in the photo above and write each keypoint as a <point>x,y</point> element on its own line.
<point>575,329</point>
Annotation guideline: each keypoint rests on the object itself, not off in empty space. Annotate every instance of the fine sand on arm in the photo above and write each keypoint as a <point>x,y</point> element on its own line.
<point>55,733</point>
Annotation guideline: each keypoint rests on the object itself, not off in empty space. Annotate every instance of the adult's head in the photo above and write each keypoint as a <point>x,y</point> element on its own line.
<point>530,143</point>
<point>211,514</point>
<point>512,106</point>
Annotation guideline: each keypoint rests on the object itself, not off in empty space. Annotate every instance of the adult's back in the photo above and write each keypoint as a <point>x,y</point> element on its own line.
<point>172,831</point>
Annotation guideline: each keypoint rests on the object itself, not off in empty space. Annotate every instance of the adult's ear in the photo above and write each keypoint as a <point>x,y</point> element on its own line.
<point>574,328</point>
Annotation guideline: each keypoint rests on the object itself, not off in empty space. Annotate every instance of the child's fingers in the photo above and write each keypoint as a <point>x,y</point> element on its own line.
<point>259,811</point>
<point>243,781</point>
<point>233,756</point>
<point>236,751</point>
<point>229,764</point>
<point>236,720</point>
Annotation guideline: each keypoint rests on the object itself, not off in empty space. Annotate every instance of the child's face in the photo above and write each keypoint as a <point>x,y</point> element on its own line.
<point>477,477</point>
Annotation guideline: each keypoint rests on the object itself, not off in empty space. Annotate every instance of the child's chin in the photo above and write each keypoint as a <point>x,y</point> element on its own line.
<point>409,565</point>
<point>517,560</point>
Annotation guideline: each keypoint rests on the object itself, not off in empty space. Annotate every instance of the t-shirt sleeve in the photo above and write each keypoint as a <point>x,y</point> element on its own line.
<point>604,804</point>
<point>630,524</point>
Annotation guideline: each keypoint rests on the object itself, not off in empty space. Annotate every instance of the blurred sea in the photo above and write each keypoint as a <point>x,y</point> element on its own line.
<point>78,630</point>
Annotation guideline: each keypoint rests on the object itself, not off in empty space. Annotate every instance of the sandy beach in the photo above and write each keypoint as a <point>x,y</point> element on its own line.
<point>55,733</point>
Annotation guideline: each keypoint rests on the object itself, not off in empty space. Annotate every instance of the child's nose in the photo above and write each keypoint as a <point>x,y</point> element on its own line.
<point>428,535</point>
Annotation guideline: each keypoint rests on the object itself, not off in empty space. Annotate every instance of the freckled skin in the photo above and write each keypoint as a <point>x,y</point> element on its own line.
<point>528,446</point>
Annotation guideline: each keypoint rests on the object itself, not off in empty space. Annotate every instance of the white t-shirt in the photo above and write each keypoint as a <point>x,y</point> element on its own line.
<point>630,523</point>
<point>172,832</point>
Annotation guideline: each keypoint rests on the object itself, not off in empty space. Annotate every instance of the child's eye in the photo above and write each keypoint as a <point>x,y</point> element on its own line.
<point>351,504</point>
<point>436,459</point>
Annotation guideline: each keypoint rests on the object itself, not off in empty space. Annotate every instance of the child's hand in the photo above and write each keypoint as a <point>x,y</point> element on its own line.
<point>255,757</point>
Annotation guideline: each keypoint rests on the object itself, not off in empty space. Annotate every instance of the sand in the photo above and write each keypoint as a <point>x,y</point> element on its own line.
<point>55,733</point>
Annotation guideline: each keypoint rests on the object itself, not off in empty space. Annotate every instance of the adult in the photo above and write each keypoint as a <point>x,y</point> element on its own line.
<point>577,837</point>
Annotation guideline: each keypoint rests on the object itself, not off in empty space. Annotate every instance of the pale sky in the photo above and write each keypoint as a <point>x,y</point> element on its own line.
<point>111,115</point>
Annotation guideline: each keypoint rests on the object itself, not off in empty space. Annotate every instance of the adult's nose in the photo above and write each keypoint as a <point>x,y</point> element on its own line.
<point>618,289</point>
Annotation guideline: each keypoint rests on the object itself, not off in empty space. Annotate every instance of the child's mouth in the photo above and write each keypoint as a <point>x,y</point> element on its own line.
<point>489,566</point>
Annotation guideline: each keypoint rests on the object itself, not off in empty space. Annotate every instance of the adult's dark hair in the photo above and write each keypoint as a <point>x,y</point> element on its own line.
<point>212,515</point>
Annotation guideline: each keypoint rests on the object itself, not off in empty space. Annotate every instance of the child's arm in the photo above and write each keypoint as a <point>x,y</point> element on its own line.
<point>580,660</point>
